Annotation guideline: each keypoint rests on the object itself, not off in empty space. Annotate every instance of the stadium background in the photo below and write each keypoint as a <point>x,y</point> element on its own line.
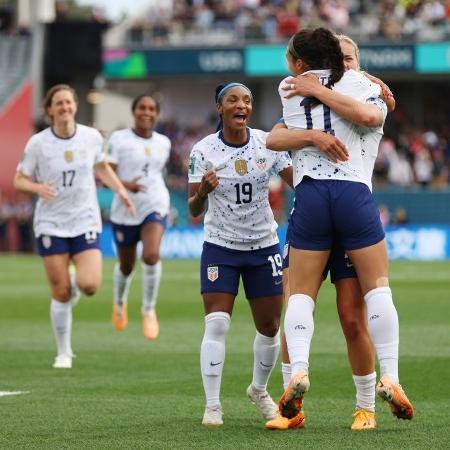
<point>124,392</point>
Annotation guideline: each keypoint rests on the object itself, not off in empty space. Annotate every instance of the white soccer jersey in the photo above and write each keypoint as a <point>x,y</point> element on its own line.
<point>67,164</point>
<point>370,141</point>
<point>239,215</point>
<point>298,114</point>
<point>138,157</point>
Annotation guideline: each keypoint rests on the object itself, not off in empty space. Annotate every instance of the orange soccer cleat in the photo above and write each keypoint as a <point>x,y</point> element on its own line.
<point>363,420</point>
<point>394,394</point>
<point>150,325</point>
<point>291,401</point>
<point>120,316</point>
<point>283,423</point>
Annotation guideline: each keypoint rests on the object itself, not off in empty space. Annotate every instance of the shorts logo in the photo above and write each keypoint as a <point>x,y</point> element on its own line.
<point>68,156</point>
<point>347,261</point>
<point>46,241</point>
<point>213,273</point>
<point>91,237</point>
<point>261,163</point>
<point>240,165</point>
<point>286,250</point>
<point>119,236</point>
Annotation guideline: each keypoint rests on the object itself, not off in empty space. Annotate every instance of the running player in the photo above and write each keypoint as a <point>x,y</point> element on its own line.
<point>139,155</point>
<point>231,170</point>
<point>58,166</point>
<point>311,172</point>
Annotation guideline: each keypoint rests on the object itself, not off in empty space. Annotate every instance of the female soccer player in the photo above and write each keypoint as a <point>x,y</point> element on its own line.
<point>139,155</point>
<point>58,166</point>
<point>336,197</point>
<point>231,170</point>
<point>350,303</point>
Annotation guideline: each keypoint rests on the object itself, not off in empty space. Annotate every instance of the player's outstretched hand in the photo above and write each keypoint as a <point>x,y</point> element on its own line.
<point>209,183</point>
<point>122,193</point>
<point>304,85</point>
<point>331,146</point>
<point>46,191</point>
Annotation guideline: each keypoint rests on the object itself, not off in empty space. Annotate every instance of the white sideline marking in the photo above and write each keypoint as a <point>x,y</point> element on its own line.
<point>7,393</point>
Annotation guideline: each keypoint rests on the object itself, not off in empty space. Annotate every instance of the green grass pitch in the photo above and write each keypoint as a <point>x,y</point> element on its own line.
<point>128,393</point>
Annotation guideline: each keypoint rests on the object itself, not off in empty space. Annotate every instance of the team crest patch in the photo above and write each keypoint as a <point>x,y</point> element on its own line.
<point>148,151</point>
<point>213,273</point>
<point>46,241</point>
<point>240,166</point>
<point>83,154</point>
<point>119,236</point>
<point>262,164</point>
<point>68,156</point>
<point>285,250</point>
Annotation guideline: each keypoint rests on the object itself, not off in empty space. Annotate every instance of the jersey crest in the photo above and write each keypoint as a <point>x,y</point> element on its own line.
<point>213,273</point>
<point>68,156</point>
<point>240,165</point>
<point>148,151</point>
<point>262,164</point>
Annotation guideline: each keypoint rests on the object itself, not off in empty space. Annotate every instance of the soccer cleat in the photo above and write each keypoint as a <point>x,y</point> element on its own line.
<point>63,362</point>
<point>75,292</point>
<point>283,423</point>
<point>212,416</point>
<point>264,401</point>
<point>150,325</point>
<point>291,401</point>
<point>363,420</point>
<point>393,393</point>
<point>120,316</point>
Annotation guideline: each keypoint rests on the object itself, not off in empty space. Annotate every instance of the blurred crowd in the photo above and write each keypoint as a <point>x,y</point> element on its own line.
<point>187,22</point>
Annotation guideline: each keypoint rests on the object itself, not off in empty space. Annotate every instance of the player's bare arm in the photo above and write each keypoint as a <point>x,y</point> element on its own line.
<point>350,109</point>
<point>25,184</point>
<point>198,192</point>
<point>281,138</point>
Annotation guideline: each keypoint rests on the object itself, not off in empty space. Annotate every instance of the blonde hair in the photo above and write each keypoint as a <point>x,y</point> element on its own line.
<point>349,40</point>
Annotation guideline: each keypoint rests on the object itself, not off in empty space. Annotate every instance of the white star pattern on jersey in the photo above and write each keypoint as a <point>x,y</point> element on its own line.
<point>298,114</point>
<point>68,165</point>
<point>136,156</point>
<point>239,215</point>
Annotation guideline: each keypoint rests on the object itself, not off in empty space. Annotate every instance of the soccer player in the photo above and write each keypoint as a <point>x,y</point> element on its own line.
<point>58,166</point>
<point>230,169</point>
<point>350,213</point>
<point>139,156</point>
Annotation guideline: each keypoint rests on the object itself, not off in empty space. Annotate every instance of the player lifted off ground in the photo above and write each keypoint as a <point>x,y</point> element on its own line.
<point>58,166</point>
<point>230,169</point>
<point>139,155</point>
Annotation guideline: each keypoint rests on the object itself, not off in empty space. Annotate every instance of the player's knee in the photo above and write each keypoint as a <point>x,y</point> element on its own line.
<point>352,328</point>
<point>269,328</point>
<point>88,287</point>
<point>126,269</point>
<point>61,292</point>
<point>150,258</point>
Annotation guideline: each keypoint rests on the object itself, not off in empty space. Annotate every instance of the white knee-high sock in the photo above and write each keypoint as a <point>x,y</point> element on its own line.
<point>265,351</point>
<point>121,284</point>
<point>61,318</point>
<point>384,329</point>
<point>299,330</point>
<point>212,355</point>
<point>151,276</point>
<point>286,373</point>
<point>365,391</point>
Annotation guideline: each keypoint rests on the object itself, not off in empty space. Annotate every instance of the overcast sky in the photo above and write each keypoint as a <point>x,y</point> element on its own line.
<point>115,8</point>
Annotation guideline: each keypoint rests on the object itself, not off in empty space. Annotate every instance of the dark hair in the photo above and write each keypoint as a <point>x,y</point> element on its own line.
<point>319,49</point>
<point>137,99</point>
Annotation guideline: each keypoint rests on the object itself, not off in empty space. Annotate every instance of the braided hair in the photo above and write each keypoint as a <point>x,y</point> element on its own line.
<point>319,49</point>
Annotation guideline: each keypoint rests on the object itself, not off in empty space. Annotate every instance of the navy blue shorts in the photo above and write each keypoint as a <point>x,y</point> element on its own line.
<point>339,265</point>
<point>328,211</point>
<point>260,270</point>
<point>127,235</point>
<point>53,245</point>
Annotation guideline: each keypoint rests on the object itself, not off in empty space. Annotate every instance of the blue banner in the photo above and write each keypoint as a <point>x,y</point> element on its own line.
<point>421,243</point>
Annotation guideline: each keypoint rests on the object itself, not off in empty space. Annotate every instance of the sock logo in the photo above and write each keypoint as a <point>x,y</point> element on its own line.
<point>266,365</point>
<point>375,316</point>
<point>299,327</point>
<point>215,364</point>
